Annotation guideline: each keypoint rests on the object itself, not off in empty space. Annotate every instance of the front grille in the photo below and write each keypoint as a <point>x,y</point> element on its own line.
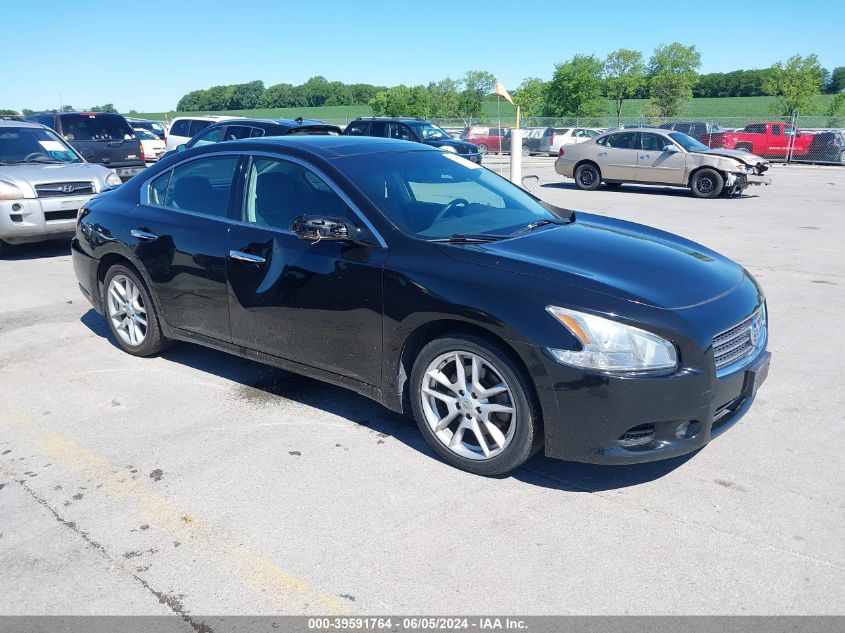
<point>56,189</point>
<point>65,214</point>
<point>739,341</point>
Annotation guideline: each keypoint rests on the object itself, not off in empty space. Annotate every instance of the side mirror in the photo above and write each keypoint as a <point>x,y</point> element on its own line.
<point>327,228</point>
<point>181,147</point>
<point>671,148</point>
<point>87,153</point>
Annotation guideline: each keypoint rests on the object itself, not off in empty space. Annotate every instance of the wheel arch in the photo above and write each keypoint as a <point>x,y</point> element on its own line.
<point>113,258</point>
<point>586,161</point>
<point>427,332</point>
<point>721,172</point>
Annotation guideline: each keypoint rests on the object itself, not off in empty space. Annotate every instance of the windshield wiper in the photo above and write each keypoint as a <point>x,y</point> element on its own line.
<point>45,161</point>
<point>538,223</point>
<point>460,238</point>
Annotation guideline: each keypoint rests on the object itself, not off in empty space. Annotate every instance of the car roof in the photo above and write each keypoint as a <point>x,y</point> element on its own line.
<point>14,123</point>
<point>323,146</point>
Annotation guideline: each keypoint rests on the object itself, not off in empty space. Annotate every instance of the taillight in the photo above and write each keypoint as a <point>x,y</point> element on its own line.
<point>141,148</point>
<point>552,139</point>
<point>560,153</point>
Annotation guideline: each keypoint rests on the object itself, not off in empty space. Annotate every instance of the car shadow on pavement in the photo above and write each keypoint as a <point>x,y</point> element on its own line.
<point>258,383</point>
<point>641,189</point>
<point>36,250</point>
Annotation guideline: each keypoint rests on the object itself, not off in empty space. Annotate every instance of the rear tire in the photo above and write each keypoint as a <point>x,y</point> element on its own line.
<point>707,183</point>
<point>588,177</point>
<point>526,151</point>
<point>480,416</point>
<point>130,313</point>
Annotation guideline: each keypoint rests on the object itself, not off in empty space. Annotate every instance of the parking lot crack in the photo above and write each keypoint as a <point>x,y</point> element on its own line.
<point>169,600</point>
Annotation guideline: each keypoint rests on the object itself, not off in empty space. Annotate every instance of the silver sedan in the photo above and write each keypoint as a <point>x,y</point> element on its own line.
<point>660,157</point>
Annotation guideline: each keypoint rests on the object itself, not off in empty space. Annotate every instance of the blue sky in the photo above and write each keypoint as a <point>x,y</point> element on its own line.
<point>146,55</point>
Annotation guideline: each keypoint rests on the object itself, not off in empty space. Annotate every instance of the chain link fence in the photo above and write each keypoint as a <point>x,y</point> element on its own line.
<point>801,139</point>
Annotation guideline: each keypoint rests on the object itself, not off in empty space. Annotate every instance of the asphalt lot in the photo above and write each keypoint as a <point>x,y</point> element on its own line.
<point>200,483</point>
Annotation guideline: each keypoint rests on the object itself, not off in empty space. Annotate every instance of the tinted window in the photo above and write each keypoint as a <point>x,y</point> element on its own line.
<point>755,129</point>
<point>357,128</point>
<point>95,127</point>
<point>201,185</point>
<point>378,128</point>
<point>402,132</point>
<point>623,140</point>
<point>40,145</point>
<point>234,132</point>
<point>775,130</point>
<point>213,135</point>
<point>278,191</point>
<point>158,188</point>
<point>180,128</point>
<point>653,142</point>
<point>256,131</point>
<point>198,126</point>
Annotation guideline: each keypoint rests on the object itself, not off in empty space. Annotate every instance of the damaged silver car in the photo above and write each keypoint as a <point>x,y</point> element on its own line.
<point>660,157</point>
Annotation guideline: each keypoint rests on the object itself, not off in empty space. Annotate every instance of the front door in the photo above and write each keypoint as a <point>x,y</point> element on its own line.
<point>315,303</point>
<point>618,157</point>
<point>655,164</point>
<point>179,232</point>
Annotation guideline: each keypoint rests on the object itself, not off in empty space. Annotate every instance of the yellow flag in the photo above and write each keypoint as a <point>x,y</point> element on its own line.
<point>500,90</point>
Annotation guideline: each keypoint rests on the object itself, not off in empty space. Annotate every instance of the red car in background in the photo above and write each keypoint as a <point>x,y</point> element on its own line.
<point>771,140</point>
<point>488,139</point>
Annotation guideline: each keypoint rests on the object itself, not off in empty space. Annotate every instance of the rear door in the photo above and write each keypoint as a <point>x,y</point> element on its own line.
<point>315,303</point>
<point>654,164</point>
<point>179,232</point>
<point>617,158</point>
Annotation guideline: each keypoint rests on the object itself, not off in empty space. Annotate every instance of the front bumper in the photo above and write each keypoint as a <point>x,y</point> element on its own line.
<point>38,219</point>
<point>670,415</point>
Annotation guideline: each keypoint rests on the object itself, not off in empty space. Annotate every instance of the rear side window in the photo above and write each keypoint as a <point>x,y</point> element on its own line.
<point>198,126</point>
<point>235,132</point>
<point>623,140</point>
<point>201,186</point>
<point>755,129</point>
<point>378,128</point>
<point>95,127</point>
<point>180,128</point>
<point>775,130</point>
<point>214,135</point>
<point>357,128</point>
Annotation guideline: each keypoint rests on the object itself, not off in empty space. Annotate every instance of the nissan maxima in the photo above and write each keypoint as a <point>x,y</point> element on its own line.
<point>430,284</point>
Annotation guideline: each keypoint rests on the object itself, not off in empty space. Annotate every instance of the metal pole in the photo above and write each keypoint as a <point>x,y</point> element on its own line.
<point>516,156</point>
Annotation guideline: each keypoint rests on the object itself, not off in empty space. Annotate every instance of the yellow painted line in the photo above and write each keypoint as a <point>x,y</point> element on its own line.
<point>242,564</point>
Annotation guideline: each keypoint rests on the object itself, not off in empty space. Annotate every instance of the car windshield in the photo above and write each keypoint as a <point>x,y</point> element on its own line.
<point>147,136</point>
<point>688,143</point>
<point>96,127</point>
<point>437,195</point>
<point>34,145</point>
<point>429,132</point>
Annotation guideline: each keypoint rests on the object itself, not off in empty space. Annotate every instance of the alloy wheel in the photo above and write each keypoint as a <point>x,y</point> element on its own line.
<point>468,405</point>
<point>127,311</point>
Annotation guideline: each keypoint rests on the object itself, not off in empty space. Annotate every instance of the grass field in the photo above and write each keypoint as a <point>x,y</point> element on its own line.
<point>716,109</point>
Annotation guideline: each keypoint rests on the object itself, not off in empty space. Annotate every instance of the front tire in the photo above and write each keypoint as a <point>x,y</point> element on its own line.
<point>474,405</point>
<point>588,177</point>
<point>130,313</point>
<point>482,149</point>
<point>707,183</point>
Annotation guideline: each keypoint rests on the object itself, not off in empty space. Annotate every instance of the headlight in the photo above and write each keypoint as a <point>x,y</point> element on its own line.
<point>8,191</point>
<point>113,179</point>
<point>611,346</point>
<point>448,148</point>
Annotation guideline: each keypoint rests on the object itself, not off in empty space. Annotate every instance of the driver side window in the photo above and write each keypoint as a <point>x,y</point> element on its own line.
<point>278,191</point>
<point>213,135</point>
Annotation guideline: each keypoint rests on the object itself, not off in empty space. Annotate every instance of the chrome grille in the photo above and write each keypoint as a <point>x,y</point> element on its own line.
<point>56,189</point>
<point>739,341</point>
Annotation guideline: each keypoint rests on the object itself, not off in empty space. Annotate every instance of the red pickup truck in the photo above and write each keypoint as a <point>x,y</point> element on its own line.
<point>772,140</point>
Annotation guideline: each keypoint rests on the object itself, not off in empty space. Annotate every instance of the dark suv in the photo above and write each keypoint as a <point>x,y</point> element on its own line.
<point>417,130</point>
<point>100,137</point>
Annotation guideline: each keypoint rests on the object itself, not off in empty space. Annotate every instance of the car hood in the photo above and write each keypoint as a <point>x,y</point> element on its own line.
<point>39,174</point>
<point>622,259</point>
<point>744,157</point>
<point>463,146</point>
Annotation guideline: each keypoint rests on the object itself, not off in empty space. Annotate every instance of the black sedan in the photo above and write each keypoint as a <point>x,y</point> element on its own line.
<point>434,286</point>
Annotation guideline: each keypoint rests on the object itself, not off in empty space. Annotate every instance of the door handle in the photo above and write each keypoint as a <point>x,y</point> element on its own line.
<point>146,236</point>
<point>602,153</point>
<point>645,157</point>
<point>247,257</point>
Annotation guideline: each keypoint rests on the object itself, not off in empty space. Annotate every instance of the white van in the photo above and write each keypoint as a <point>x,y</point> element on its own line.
<point>184,128</point>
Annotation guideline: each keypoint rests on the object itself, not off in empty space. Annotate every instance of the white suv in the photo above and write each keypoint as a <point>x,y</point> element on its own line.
<point>184,128</point>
